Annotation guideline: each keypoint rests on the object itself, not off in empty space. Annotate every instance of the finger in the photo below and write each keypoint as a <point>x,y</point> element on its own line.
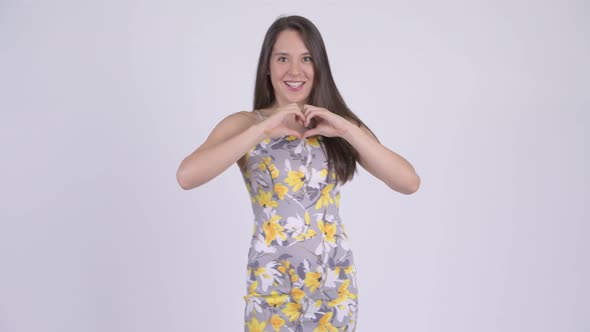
<point>311,132</point>
<point>309,116</point>
<point>296,106</point>
<point>298,115</point>
<point>294,133</point>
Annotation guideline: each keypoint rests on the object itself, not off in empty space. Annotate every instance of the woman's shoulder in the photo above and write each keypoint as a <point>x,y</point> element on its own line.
<point>237,121</point>
<point>232,124</point>
<point>250,114</point>
<point>241,117</point>
<point>245,115</point>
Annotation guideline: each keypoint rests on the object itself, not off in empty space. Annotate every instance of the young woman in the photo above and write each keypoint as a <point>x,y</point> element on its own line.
<point>295,150</point>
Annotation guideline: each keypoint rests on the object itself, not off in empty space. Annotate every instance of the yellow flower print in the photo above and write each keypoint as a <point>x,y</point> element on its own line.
<point>277,322</point>
<point>337,200</point>
<point>313,141</point>
<point>295,179</point>
<point>337,270</point>
<point>312,280</point>
<point>325,199</point>
<point>288,268</point>
<point>275,299</point>
<point>343,290</point>
<point>307,218</point>
<point>262,271</point>
<point>293,310</point>
<point>302,230</point>
<point>285,264</point>
<point>252,290</point>
<point>272,229</point>
<point>294,276</point>
<point>324,324</point>
<point>255,325</point>
<point>291,138</point>
<point>281,190</point>
<point>265,199</point>
<point>297,294</point>
<point>348,269</point>
<point>343,294</point>
<point>307,235</point>
<point>266,164</point>
<point>328,229</point>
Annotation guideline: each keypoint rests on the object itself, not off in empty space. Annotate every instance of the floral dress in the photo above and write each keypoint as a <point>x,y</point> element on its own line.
<point>300,274</point>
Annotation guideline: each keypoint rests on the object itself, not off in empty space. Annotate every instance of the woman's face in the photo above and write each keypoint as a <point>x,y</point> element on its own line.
<point>291,69</point>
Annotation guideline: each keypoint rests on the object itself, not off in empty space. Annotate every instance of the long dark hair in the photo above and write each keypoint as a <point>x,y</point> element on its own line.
<point>341,155</point>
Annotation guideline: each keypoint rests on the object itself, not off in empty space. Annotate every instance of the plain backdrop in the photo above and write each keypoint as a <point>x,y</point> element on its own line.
<point>101,100</point>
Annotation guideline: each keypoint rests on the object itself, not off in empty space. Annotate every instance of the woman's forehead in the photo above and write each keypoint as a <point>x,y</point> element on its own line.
<point>284,53</point>
<point>289,41</point>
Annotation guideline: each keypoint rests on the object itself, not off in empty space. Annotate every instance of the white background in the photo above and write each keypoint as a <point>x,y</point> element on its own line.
<point>100,101</point>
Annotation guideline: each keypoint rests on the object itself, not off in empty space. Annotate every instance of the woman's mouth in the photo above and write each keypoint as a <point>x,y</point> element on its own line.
<point>294,85</point>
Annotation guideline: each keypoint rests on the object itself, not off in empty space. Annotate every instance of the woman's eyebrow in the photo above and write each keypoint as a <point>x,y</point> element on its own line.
<point>285,53</point>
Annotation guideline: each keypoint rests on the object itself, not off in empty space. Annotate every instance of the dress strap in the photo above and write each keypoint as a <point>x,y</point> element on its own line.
<point>260,114</point>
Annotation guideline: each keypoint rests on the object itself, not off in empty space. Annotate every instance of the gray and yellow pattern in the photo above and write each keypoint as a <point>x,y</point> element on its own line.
<point>300,274</point>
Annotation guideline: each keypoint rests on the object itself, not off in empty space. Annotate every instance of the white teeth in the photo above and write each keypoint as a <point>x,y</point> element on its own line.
<point>294,84</point>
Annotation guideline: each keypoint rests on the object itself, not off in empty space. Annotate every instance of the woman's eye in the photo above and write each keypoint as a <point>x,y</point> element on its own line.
<point>281,58</point>
<point>308,57</point>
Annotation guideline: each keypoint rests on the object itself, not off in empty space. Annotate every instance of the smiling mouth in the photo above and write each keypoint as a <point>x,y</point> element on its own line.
<point>294,85</point>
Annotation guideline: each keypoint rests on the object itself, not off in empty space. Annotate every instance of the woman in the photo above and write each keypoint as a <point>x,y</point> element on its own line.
<point>295,149</point>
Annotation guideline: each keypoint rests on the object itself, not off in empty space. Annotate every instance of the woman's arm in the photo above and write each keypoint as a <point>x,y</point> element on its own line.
<point>378,160</point>
<point>381,162</point>
<point>232,138</point>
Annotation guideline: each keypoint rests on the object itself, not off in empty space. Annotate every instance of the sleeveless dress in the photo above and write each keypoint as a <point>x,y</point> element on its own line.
<point>301,275</point>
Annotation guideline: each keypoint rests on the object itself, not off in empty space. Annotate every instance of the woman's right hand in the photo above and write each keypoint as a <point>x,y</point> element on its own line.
<point>277,125</point>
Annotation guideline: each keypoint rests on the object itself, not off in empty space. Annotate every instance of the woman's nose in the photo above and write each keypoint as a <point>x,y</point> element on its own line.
<point>294,68</point>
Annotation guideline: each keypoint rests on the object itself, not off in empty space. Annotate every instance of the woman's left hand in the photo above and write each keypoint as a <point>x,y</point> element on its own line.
<point>328,124</point>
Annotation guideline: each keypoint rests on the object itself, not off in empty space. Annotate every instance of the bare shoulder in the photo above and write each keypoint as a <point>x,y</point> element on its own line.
<point>236,121</point>
<point>231,125</point>
<point>241,116</point>
<point>250,114</point>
